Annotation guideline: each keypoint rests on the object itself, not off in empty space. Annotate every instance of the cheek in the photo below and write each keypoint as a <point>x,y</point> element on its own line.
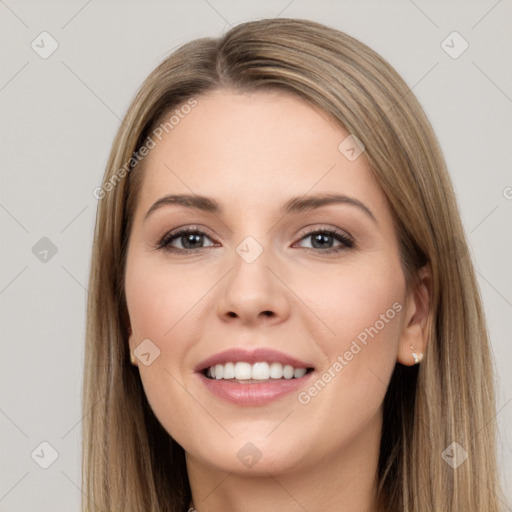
<point>362,308</point>
<point>359,306</point>
<point>159,297</point>
<point>160,303</point>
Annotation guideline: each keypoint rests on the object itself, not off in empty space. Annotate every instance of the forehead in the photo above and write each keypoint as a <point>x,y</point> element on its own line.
<point>250,147</point>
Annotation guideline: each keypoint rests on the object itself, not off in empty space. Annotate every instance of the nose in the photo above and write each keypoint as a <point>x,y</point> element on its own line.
<point>253,294</point>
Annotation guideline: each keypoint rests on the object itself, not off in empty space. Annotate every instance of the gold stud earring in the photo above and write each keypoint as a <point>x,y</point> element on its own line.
<point>417,357</point>
<point>132,359</point>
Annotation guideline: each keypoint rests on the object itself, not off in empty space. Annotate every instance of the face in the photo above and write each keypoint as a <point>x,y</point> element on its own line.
<point>298,304</point>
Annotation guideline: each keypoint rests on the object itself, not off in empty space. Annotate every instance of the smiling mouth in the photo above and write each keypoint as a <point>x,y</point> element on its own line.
<point>258,372</point>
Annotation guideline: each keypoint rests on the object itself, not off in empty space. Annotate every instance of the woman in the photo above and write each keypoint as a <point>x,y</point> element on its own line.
<point>283,314</point>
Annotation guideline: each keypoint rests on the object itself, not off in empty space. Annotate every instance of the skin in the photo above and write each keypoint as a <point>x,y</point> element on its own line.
<point>252,152</point>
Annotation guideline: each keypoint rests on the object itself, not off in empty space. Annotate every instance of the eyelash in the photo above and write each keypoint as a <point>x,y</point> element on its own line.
<point>347,241</point>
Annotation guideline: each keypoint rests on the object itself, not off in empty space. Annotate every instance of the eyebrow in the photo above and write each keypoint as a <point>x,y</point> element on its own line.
<point>294,205</point>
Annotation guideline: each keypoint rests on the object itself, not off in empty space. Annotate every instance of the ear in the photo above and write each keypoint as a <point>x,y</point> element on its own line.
<point>415,326</point>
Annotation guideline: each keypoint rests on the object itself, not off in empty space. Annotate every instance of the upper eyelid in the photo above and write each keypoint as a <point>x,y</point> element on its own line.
<point>177,232</point>
<point>205,231</point>
<point>326,228</point>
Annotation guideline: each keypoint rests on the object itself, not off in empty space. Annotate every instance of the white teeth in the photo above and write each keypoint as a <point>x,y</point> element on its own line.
<point>260,371</point>
<point>288,371</point>
<point>242,371</point>
<point>299,372</point>
<point>229,371</point>
<point>257,371</point>
<point>276,371</point>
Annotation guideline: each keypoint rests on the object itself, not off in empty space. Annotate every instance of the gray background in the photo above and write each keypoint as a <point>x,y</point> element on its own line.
<point>58,119</point>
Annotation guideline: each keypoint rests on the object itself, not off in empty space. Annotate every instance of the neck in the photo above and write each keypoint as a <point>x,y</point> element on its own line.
<point>345,481</point>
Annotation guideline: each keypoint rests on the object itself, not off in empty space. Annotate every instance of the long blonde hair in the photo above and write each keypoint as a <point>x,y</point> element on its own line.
<point>130,463</point>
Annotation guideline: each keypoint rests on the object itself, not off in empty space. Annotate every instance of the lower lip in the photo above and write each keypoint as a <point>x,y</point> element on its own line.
<point>253,394</point>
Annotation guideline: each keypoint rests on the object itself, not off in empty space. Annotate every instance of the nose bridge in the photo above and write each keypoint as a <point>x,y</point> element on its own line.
<point>251,290</point>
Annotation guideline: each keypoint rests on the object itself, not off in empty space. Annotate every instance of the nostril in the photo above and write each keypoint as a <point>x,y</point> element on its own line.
<point>268,313</point>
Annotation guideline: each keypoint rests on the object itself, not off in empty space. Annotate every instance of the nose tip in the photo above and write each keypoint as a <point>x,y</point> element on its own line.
<point>252,293</point>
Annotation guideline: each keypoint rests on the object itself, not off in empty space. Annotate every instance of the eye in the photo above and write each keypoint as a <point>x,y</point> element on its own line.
<point>187,240</point>
<point>324,239</point>
<point>184,240</point>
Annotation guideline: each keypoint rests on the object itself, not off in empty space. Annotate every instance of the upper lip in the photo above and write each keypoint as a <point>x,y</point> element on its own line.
<point>235,355</point>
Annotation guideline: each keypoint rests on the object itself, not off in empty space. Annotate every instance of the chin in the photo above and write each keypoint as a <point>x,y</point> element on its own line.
<point>251,451</point>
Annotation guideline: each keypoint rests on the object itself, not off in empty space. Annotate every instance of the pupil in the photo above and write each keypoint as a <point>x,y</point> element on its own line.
<point>321,238</point>
<point>191,239</point>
